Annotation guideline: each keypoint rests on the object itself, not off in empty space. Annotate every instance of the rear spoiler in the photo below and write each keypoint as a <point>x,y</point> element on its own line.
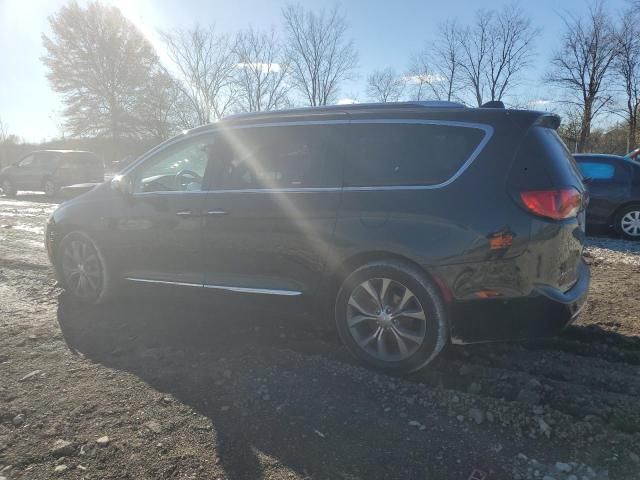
<point>547,120</point>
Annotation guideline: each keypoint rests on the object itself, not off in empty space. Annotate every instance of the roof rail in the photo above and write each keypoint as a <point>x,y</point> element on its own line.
<point>438,104</point>
<point>352,106</point>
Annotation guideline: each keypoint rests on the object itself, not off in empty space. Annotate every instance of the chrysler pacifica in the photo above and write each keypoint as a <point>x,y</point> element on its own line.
<point>408,225</point>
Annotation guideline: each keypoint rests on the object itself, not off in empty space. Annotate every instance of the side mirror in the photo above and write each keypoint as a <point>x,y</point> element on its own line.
<point>123,184</point>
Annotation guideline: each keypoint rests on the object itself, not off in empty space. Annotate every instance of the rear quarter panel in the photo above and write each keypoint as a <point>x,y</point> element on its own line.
<point>448,228</point>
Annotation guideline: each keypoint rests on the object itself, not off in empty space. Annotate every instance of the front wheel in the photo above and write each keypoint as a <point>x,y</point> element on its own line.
<point>391,317</point>
<point>82,269</point>
<point>627,222</point>
<point>50,188</point>
<point>8,188</point>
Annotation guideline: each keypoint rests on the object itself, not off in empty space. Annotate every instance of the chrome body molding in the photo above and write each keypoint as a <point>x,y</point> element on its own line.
<point>229,288</point>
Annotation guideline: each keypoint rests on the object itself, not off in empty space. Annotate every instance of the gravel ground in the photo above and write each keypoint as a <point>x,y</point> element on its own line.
<point>160,388</point>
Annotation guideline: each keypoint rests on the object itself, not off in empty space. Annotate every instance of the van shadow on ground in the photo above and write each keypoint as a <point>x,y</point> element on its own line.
<point>162,341</point>
<point>183,348</point>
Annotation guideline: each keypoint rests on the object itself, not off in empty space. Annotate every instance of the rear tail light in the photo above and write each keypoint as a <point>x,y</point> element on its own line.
<point>556,204</point>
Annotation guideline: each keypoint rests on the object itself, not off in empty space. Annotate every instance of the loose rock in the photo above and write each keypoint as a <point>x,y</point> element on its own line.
<point>63,448</point>
<point>60,469</point>
<point>474,388</point>
<point>476,415</point>
<point>528,396</point>
<point>30,375</point>
<point>153,426</point>
<point>103,441</point>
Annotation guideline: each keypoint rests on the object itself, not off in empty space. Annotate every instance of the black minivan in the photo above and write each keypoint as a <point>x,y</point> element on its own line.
<point>48,170</point>
<point>407,225</point>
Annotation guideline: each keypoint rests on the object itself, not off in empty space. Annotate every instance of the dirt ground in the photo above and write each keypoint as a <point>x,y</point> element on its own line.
<point>156,388</point>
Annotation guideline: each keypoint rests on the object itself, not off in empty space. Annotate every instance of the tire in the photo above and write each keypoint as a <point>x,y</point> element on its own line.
<point>79,256</point>
<point>8,188</point>
<point>627,222</point>
<point>50,188</point>
<point>386,339</point>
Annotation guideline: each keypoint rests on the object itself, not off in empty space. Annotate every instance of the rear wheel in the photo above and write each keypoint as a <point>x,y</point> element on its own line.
<point>82,269</point>
<point>50,188</point>
<point>391,317</point>
<point>627,222</point>
<point>8,188</point>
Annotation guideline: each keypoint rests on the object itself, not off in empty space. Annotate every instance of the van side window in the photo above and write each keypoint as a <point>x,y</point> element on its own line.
<point>26,162</point>
<point>388,154</point>
<point>297,156</point>
<point>180,167</point>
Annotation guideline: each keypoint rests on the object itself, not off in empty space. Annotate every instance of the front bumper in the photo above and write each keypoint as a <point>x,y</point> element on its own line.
<point>545,313</point>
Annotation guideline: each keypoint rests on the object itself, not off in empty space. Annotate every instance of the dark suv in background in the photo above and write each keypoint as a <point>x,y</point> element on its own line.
<point>407,225</point>
<point>48,170</point>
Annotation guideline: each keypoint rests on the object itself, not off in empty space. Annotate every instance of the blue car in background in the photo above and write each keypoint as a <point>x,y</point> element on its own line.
<point>614,192</point>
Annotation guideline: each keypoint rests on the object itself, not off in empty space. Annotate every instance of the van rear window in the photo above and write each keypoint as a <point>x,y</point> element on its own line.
<point>391,154</point>
<point>559,149</point>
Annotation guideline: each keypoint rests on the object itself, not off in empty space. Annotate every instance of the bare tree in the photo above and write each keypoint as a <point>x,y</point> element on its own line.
<point>421,79</point>
<point>436,70</point>
<point>583,64</point>
<point>262,71</point>
<point>385,86</point>
<point>160,113</point>
<point>100,64</point>
<point>4,134</point>
<point>627,67</point>
<point>320,53</point>
<point>206,64</point>
<point>495,51</point>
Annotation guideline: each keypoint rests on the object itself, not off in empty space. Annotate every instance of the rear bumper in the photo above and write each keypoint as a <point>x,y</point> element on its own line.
<point>545,313</point>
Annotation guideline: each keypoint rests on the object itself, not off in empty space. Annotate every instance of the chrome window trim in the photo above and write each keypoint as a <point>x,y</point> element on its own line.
<point>230,288</point>
<point>487,129</point>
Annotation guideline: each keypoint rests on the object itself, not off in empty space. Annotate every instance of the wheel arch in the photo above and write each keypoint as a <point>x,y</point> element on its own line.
<point>341,268</point>
<point>45,177</point>
<point>620,208</point>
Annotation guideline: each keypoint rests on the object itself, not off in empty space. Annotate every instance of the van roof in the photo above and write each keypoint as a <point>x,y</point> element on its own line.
<point>352,107</point>
<point>440,109</point>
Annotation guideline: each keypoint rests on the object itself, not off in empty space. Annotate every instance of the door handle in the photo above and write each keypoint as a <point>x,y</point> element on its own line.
<point>185,213</point>
<point>212,213</point>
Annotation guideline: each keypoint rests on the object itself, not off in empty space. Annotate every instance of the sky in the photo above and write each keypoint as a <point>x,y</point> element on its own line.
<point>385,33</point>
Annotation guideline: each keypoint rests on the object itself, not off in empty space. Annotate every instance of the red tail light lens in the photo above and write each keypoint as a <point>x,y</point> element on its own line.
<point>556,204</point>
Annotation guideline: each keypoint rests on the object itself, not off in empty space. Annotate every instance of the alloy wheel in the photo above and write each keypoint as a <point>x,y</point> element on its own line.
<point>630,223</point>
<point>82,268</point>
<point>49,188</point>
<point>386,320</point>
<point>7,188</point>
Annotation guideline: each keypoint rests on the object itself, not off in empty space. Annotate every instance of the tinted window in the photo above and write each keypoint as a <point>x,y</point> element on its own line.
<point>597,170</point>
<point>26,162</point>
<point>43,159</point>
<point>297,156</point>
<point>177,168</point>
<point>408,154</point>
